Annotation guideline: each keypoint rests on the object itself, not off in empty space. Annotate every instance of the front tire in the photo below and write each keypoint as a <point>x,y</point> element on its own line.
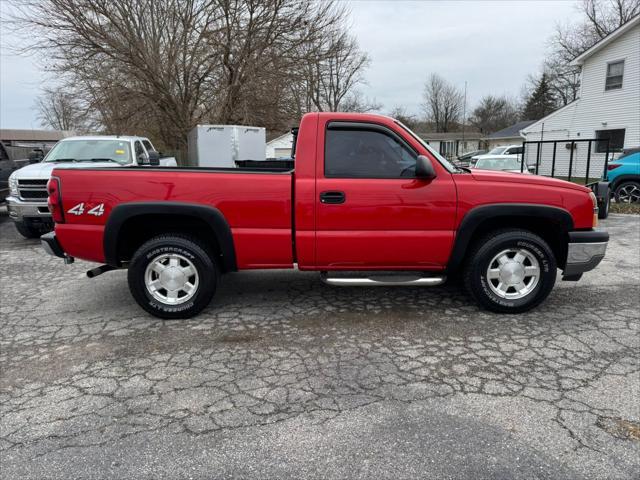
<point>510,271</point>
<point>172,276</point>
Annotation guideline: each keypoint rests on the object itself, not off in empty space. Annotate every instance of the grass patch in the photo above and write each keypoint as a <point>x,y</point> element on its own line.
<point>633,208</point>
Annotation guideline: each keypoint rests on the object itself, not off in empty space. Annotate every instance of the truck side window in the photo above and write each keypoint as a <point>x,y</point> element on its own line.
<point>140,153</point>
<point>353,153</point>
<point>147,145</point>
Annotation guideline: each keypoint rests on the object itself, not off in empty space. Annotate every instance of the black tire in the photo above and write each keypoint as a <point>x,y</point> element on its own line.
<point>27,231</point>
<point>619,192</point>
<point>484,251</point>
<point>603,206</point>
<point>188,248</point>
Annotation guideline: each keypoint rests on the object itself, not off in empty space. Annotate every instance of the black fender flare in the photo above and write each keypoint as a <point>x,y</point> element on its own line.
<point>478,215</point>
<point>210,215</point>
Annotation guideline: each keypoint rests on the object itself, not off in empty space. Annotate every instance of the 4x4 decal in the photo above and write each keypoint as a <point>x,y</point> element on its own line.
<point>97,211</point>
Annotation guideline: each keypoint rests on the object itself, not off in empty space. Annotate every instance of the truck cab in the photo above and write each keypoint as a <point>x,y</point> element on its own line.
<point>27,200</point>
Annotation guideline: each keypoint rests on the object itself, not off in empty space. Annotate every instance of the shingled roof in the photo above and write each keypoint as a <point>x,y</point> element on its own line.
<point>512,130</point>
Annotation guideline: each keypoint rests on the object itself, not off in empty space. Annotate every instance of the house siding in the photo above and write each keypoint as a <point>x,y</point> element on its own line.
<point>280,146</point>
<point>596,109</point>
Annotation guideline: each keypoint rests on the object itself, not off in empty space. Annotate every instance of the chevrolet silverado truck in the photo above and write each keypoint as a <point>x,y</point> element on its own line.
<point>27,200</point>
<point>368,203</point>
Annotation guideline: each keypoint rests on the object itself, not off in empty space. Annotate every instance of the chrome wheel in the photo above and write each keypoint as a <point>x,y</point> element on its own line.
<point>513,273</point>
<point>629,193</point>
<point>171,279</point>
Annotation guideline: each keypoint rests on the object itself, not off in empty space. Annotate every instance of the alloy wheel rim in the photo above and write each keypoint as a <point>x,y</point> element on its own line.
<point>629,194</point>
<point>513,273</point>
<point>171,279</point>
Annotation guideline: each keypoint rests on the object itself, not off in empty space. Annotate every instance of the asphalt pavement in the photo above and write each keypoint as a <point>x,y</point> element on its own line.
<point>285,377</point>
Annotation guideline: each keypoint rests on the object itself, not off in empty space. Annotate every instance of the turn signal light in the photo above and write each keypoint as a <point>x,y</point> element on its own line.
<point>613,166</point>
<point>54,202</point>
<point>594,200</point>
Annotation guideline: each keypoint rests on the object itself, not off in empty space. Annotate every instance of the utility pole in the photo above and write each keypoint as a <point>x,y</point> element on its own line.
<point>464,113</point>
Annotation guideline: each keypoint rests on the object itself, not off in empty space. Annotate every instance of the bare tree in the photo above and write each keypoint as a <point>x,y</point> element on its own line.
<point>332,78</point>
<point>357,102</point>
<point>494,113</point>
<point>599,19</point>
<point>443,103</point>
<point>400,113</point>
<point>60,110</point>
<point>165,65</point>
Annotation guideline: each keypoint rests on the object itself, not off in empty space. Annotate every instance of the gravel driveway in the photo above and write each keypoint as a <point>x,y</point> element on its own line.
<point>283,376</point>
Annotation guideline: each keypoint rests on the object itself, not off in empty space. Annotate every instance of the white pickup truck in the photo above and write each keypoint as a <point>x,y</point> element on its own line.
<point>27,200</point>
<point>507,151</point>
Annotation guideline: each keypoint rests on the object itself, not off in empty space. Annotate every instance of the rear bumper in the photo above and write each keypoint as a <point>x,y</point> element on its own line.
<point>585,251</point>
<point>51,245</point>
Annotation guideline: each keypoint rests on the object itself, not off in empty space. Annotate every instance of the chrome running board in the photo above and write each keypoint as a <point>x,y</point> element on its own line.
<point>385,280</point>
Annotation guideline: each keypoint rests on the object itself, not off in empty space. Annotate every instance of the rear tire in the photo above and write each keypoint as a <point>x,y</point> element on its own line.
<point>628,192</point>
<point>603,206</point>
<point>173,276</point>
<point>27,231</point>
<point>510,271</point>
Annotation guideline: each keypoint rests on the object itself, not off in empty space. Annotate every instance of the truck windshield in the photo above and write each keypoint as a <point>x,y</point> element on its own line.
<point>85,150</point>
<point>497,151</point>
<point>443,161</point>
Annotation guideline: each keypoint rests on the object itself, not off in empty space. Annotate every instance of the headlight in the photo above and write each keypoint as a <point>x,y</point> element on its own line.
<point>13,185</point>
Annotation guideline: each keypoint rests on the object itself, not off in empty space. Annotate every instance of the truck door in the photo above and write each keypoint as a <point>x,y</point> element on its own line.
<point>372,212</point>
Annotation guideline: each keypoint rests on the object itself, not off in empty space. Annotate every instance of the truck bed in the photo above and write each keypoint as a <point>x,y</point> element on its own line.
<point>255,202</point>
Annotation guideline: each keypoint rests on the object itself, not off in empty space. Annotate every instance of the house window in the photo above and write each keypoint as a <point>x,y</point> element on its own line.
<point>615,71</point>
<point>615,137</point>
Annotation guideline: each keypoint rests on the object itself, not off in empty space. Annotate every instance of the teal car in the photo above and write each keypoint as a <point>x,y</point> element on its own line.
<point>623,175</point>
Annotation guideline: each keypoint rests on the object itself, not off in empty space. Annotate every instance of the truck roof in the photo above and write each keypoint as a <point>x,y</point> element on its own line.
<point>126,138</point>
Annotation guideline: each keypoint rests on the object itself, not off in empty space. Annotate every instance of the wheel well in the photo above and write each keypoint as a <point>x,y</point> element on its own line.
<point>622,179</point>
<point>551,231</point>
<point>138,229</point>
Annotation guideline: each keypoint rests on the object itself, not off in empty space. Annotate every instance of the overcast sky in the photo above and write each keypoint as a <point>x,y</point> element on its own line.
<point>493,45</point>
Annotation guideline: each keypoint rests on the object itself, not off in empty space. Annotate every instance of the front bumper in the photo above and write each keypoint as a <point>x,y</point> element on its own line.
<point>585,251</point>
<point>19,210</point>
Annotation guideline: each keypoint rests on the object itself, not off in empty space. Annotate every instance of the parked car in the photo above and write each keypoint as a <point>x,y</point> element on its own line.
<point>623,175</point>
<point>8,165</point>
<point>503,163</point>
<point>374,199</point>
<point>512,150</point>
<point>27,203</point>
<point>465,160</point>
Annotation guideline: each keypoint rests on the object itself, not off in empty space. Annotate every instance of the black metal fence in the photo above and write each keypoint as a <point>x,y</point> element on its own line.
<point>576,160</point>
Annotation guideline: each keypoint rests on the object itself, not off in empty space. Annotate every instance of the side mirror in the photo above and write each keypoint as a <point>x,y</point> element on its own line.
<point>36,155</point>
<point>424,168</point>
<point>154,158</point>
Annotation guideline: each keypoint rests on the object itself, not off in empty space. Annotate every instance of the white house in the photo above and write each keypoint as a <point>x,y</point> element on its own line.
<point>453,144</point>
<point>608,107</point>
<point>280,146</point>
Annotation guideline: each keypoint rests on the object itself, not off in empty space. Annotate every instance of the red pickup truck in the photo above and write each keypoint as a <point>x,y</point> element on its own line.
<point>368,203</point>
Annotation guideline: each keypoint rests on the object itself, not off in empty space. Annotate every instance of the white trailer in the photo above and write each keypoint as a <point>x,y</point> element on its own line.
<point>222,145</point>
